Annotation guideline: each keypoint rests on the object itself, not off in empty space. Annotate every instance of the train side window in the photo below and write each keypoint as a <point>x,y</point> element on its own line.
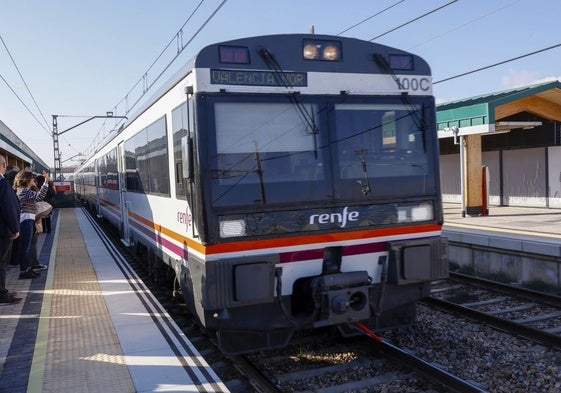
<point>133,162</point>
<point>157,160</point>
<point>179,124</point>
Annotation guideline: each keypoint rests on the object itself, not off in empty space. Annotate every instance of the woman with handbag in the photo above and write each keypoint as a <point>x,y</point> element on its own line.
<point>45,223</point>
<point>28,195</point>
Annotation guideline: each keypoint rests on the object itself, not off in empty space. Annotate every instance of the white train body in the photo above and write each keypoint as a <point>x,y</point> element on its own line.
<point>285,191</point>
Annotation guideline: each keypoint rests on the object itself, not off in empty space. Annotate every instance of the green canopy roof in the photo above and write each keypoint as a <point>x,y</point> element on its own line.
<point>479,114</point>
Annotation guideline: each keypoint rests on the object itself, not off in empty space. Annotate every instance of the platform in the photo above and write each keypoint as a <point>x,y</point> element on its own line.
<point>88,324</point>
<point>521,229</point>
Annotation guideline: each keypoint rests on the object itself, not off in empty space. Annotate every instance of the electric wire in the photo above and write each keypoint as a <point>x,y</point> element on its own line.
<point>459,27</point>
<point>24,105</point>
<point>190,40</point>
<point>497,64</point>
<point>26,86</point>
<point>465,24</point>
<point>370,17</point>
<point>23,80</point>
<point>45,126</point>
<point>176,37</point>
<point>414,20</point>
<point>179,32</point>
<point>180,49</point>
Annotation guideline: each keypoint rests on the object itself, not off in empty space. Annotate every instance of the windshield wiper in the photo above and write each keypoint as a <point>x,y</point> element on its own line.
<point>419,120</point>
<point>364,184</point>
<point>230,173</point>
<point>260,174</point>
<point>274,66</point>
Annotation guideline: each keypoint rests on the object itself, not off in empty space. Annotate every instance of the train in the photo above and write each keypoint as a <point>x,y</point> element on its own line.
<point>285,183</point>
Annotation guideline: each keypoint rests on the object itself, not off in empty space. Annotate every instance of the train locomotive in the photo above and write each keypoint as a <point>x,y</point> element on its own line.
<point>287,182</point>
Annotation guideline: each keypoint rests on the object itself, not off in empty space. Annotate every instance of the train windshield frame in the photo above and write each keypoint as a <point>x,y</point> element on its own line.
<point>271,150</point>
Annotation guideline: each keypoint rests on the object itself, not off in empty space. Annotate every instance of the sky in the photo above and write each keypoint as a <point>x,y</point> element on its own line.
<point>83,58</point>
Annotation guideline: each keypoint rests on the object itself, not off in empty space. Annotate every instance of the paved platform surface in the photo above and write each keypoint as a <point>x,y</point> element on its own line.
<point>540,221</point>
<point>88,324</point>
<point>524,229</point>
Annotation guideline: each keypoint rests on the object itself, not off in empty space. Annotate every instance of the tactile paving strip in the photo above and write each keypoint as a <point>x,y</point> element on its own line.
<point>83,352</point>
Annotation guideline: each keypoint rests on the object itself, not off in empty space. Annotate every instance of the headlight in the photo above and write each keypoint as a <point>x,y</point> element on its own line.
<point>422,212</point>
<point>402,214</point>
<point>310,51</point>
<point>331,53</point>
<point>232,228</point>
<point>313,49</point>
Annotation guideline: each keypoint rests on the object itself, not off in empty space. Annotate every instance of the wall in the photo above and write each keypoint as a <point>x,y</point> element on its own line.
<point>526,175</point>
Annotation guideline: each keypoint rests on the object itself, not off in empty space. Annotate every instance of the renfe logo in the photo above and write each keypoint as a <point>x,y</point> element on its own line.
<point>330,218</point>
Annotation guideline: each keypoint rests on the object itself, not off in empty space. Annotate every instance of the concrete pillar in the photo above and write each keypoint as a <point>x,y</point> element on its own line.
<point>472,165</point>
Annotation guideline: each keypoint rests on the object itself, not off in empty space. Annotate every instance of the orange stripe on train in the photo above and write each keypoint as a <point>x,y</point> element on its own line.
<point>246,245</point>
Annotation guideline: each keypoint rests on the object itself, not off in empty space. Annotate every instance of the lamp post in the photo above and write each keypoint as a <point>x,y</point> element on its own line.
<point>57,133</point>
<point>456,131</point>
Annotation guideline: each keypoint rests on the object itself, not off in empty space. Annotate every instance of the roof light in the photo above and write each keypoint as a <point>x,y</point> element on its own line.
<point>402,62</point>
<point>321,50</point>
<point>331,53</point>
<point>310,51</point>
<point>233,54</point>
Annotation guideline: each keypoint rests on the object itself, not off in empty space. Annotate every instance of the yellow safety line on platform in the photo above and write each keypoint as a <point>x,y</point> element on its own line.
<point>504,230</point>
<point>36,374</point>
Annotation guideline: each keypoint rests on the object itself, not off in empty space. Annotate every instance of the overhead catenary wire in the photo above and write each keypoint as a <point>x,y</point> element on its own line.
<point>497,64</point>
<point>146,87</point>
<point>463,25</point>
<point>180,32</point>
<point>44,126</point>
<point>413,20</point>
<point>26,86</point>
<point>23,103</point>
<point>370,17</point>
<point>494,11</point>
<point>180,51</point>
<point>177,35</point>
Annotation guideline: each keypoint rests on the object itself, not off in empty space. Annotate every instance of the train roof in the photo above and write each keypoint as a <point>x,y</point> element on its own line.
<point>284,47</point>
<point>357,55</point>
<point>171,82</point>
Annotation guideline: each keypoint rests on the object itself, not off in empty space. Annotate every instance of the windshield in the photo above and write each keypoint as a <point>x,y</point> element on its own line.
<point>382,149</point>
<point>313,150</point>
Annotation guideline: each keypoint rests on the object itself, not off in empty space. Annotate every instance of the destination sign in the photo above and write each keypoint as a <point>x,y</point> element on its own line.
<point>258,78</point>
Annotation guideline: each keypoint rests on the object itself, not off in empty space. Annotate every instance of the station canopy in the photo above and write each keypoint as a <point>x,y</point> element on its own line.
<point>487,114</point>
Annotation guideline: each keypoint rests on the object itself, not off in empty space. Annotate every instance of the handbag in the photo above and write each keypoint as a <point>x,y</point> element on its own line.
<point>43,209</point>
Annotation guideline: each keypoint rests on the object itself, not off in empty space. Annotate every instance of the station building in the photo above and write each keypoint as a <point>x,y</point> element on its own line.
<point>502,149</point>
<point>17,153</point>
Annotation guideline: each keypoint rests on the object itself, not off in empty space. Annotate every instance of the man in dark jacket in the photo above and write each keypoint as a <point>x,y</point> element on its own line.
<point>9,230</point>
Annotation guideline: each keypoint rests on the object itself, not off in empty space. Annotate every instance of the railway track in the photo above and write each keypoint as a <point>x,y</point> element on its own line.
<point>314,363</point>
<point>521,312</point>
<point>358,365</point>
